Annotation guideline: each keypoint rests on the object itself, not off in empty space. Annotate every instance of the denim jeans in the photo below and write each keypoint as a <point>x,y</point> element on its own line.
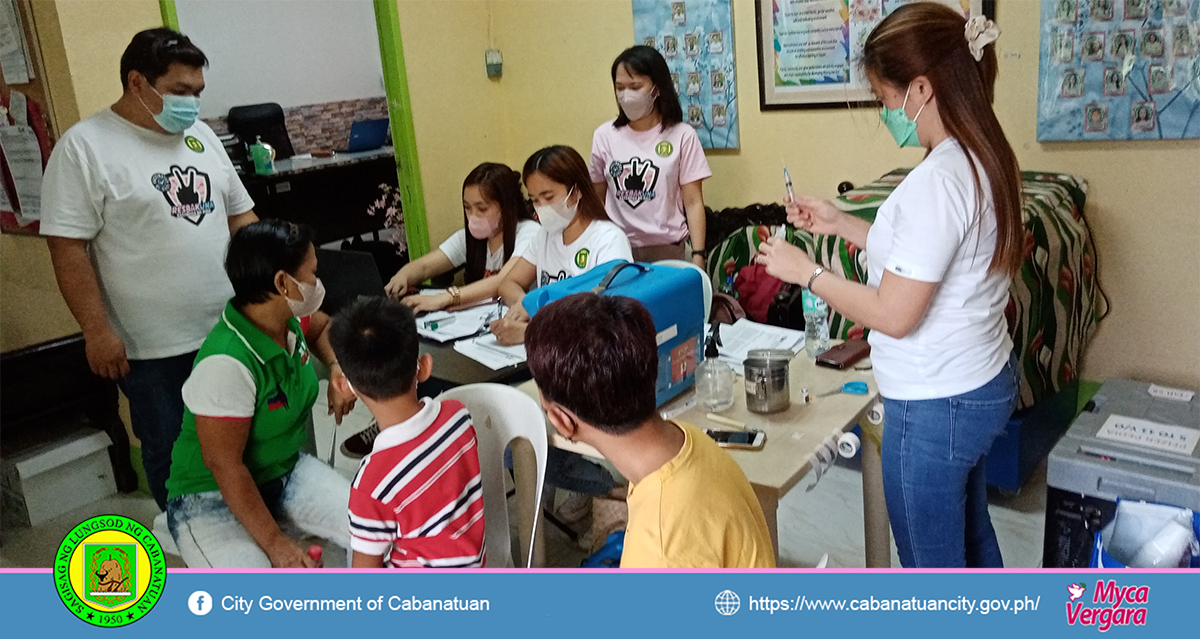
<point>154,388</point>
<point>934,479</point>
<point>571,471</point>
<point>313,496</point>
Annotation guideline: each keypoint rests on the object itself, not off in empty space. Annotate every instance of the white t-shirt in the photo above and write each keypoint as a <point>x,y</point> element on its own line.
<point>154,209</point>
<point>455,247</point>
<point>644,172</point>
<point>600,242</point>
<point>928,230</point>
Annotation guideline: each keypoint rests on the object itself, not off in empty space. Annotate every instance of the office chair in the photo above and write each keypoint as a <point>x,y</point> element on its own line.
<point>262,121</point>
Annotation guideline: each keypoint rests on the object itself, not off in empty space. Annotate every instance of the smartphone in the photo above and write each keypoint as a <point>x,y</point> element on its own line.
<point>844,355</point>
<point>743,439</point>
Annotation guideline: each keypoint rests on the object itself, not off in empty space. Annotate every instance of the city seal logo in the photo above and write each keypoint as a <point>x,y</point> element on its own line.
<point>109,571</point>
<point>581,258</point>
<point>194,144</point>
<point>664,149</point>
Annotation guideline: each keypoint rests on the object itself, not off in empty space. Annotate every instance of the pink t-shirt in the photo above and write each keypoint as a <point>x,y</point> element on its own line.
<point>644,171</point>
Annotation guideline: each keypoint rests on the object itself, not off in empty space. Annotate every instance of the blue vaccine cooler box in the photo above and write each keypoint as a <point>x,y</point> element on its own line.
<point>675,298</point>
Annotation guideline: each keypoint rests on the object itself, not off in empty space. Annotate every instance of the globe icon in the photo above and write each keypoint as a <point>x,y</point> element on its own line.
<point>727,602</point>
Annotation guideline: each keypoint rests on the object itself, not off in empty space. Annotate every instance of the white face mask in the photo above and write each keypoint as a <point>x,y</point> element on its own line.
<point>636,104</point>
<point>312,295</point>
<point>556,217</point>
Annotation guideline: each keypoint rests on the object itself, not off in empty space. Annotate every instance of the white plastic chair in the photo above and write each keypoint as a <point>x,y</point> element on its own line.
<point>706,283</point>
<point>502,414</point>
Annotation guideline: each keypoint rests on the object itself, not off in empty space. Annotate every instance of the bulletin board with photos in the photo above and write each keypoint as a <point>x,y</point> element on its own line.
<point>696,39</point>
<point>1119,70</point>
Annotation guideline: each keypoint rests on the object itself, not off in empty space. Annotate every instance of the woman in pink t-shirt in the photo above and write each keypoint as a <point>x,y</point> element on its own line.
<point>647,165</point>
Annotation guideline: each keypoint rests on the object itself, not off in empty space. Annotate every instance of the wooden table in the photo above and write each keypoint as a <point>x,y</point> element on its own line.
<point>792,437</point>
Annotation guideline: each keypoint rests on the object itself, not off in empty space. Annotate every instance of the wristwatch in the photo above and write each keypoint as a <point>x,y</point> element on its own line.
<point>818,271</point>
<point>455,296</point>
<point>700,252</point>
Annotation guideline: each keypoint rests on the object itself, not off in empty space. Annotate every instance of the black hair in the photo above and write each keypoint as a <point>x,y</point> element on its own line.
<point>375,342</point>
<point>564,165</point>
<point>151,53</point>
<point>647,61</point>
<point>260,250</point>
<point>501,185</point>
<point>603,369</point>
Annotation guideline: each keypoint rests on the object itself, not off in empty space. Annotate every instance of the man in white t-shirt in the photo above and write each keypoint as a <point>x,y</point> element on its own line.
<point>138,204</point>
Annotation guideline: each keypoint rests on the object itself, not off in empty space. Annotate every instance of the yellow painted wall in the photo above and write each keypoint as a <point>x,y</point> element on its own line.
<point>455,106</point>
<point>1143,205</point>
<point>87,38</point>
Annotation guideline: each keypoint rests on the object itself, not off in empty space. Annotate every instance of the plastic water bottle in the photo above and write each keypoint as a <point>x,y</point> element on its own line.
<point>714,379</point>
<point>816,324</point>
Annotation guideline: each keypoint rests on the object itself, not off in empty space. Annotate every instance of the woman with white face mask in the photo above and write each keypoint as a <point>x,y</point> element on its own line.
<point>237,464</point>
<point>576,234</point>
<point>647,164</point>
<point>497,224</point>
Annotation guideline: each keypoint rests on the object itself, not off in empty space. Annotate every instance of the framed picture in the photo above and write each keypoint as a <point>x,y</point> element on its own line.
<point>1095,118</point>
<point>1072,83</point>
<point>799,67</point>
<point>1152,43</point>
<point>1092,49</point>
<point>1142,116</point>
<point>1137,9</point>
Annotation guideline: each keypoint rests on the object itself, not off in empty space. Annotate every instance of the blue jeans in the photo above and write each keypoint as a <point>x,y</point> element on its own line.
<point>154,388</point>
<point>934,479</point>
<point>313,496</point>
<point>573,472</point>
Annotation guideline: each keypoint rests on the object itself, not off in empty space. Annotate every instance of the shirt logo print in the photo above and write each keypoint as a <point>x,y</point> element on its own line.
<point>635,181</point>
<point>278,400</point>
<point>187,191</point>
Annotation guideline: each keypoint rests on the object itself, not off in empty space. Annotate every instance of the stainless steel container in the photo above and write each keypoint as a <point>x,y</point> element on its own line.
<point>766,374</point>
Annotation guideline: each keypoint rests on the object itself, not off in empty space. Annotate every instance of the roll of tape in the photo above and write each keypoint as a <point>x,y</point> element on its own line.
<point>828,451</point>
<point>848,445</point>
<point>875,415</point>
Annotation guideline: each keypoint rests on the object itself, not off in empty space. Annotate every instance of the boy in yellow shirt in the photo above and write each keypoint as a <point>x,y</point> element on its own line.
<point>595,360</point>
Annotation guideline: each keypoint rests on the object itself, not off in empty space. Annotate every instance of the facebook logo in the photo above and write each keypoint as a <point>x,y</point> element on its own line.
<point>200,603</point>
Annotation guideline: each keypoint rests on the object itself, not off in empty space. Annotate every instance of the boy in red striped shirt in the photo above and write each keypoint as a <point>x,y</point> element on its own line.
<point>417,499</point>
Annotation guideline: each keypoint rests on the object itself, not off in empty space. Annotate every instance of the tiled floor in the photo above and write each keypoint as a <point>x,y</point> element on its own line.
<point>826,520</point>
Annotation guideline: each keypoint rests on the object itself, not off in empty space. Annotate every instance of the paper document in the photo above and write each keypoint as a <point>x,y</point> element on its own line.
<point>14,55</point>
<point>743,336</point>
<point>444,326</point>
<point>487,351</point>
<point>23,157</point>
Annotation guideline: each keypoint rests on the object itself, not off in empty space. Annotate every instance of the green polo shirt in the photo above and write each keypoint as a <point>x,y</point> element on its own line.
<point>285,391</point>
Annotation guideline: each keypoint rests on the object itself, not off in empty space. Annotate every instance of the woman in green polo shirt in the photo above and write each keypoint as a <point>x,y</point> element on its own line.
<point>236,468</point>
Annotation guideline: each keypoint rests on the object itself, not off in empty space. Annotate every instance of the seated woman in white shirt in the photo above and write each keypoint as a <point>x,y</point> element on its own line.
<point>500,225</point>
<point>576,234</point>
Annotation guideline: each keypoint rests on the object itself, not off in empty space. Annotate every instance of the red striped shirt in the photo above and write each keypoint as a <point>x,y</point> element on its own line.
<point>418,496</point>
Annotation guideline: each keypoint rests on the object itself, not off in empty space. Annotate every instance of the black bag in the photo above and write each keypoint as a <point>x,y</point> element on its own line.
<point>787,311</point>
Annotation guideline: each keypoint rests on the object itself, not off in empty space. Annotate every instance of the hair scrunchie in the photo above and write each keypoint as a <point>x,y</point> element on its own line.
<point>979,33</point>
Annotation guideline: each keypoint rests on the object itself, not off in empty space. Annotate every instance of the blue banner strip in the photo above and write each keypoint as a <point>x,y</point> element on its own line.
<point>618,604</point>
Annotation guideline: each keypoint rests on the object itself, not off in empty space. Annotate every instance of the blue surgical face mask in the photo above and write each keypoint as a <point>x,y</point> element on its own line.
<point>903,130</point>
<point>178,113</point>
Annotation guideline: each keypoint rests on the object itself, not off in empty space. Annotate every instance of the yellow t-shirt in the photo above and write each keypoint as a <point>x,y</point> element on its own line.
<point>696,511</point>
